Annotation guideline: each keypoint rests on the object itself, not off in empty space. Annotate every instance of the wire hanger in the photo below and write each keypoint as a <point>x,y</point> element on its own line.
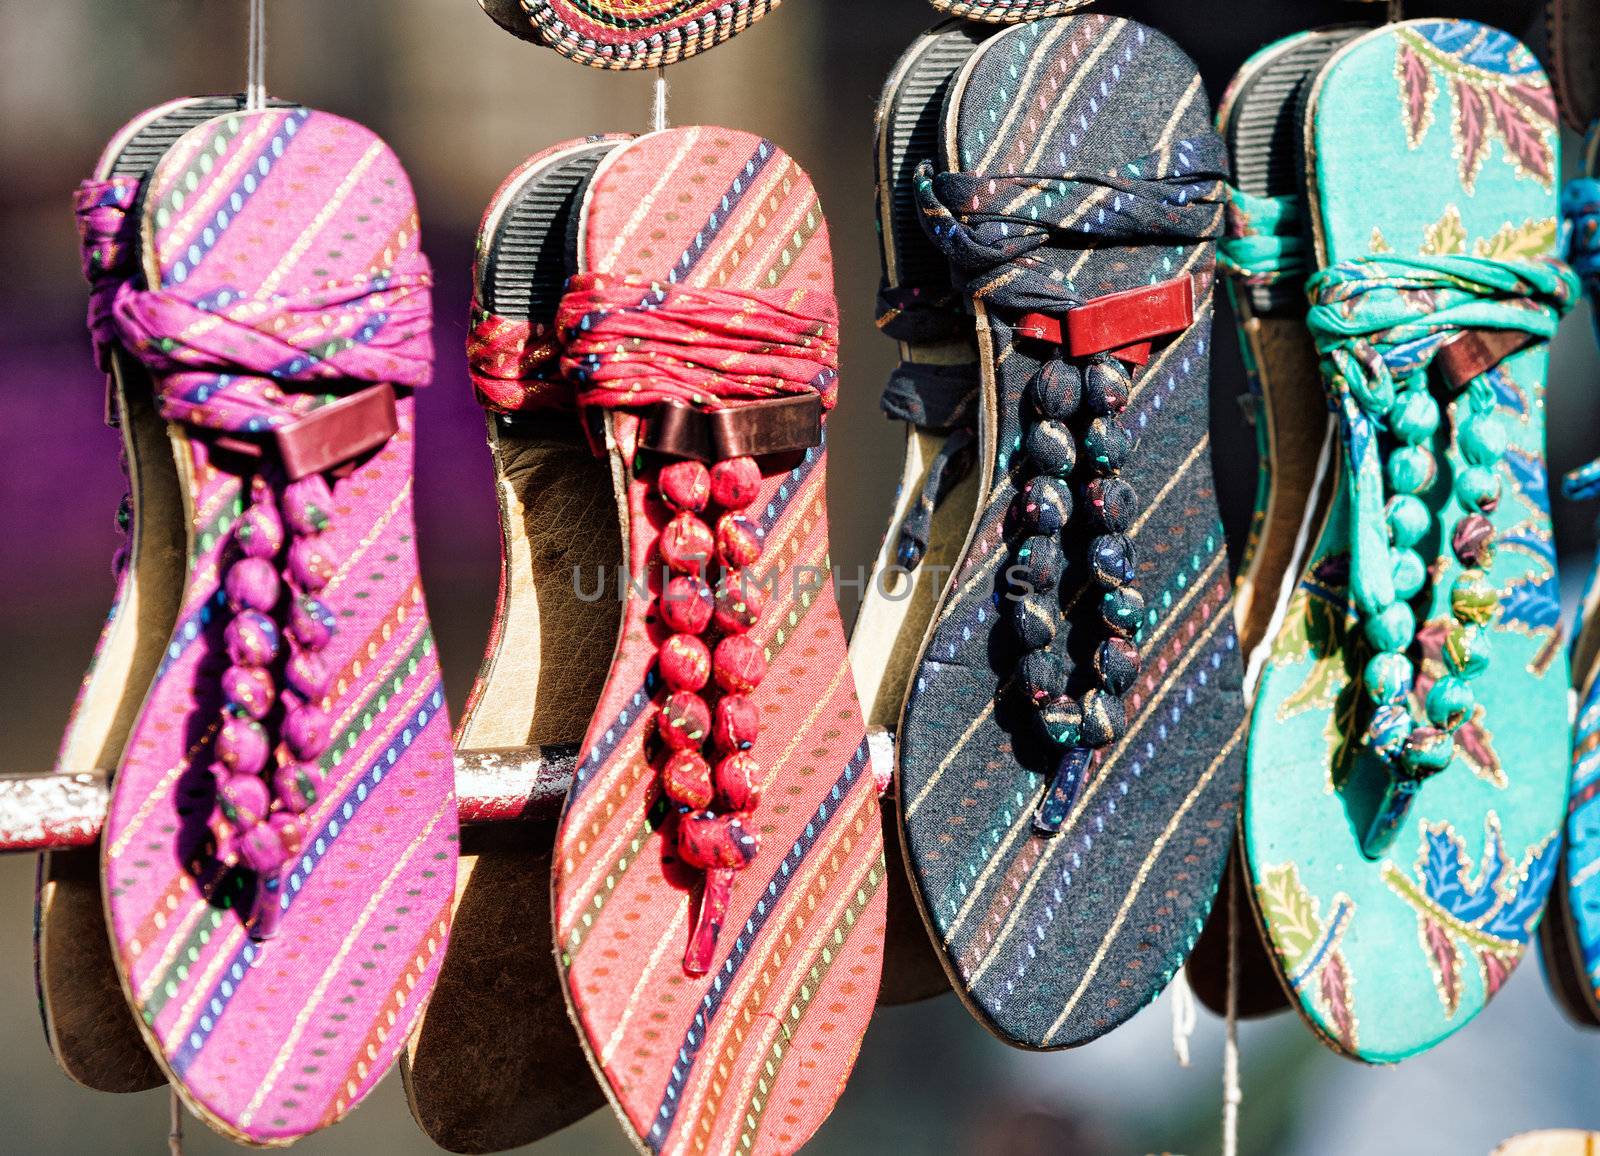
<point>255,83</point>
<point>658,113</point>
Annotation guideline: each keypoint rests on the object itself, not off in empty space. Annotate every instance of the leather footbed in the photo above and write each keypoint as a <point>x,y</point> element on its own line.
<point>495,1063</point>
<point>889,631</point>
<point>1263,126</point>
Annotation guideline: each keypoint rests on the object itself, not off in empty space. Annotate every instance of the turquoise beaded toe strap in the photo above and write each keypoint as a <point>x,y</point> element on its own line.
<point>1380,325</point>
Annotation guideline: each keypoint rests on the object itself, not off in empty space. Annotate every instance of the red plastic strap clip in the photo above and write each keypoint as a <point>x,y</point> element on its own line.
<point>1122,324</point>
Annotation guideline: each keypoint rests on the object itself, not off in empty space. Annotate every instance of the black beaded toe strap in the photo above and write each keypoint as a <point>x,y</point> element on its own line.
<point>1085,383</point>
<point>998,231</point>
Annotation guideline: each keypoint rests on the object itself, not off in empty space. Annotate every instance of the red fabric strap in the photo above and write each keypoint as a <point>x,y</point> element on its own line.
<point>619,343</point>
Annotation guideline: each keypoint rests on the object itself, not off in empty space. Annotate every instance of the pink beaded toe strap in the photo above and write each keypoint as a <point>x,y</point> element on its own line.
<point>709,371</point>
<point>291,386</point>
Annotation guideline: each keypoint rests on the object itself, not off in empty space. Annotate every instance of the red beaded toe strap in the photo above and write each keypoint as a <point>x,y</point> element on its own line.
<point>717,379</point>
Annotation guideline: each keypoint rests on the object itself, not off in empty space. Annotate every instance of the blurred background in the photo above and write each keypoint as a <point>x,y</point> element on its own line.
<point>463,102</point>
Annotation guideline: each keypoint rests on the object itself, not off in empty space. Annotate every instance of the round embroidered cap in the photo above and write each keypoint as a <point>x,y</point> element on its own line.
<point>626,34</point>
<point>1009,11</point>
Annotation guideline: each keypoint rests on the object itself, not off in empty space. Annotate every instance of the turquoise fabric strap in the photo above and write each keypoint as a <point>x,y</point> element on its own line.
<point>1265,244</point>
<point>1379,323</point>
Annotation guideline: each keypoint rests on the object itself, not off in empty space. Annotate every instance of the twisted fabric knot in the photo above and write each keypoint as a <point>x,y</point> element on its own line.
<point>220,360</point>
<point>628,343</point>
<point>513,364</point>
<point>1380,321</point>
<point>109,244</point>
<point>988,226</point>
<point>1264,244</point>
<point>1580,206</point>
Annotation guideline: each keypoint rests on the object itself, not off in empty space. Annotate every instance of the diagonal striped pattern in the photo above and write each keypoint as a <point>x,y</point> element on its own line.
<point>270,1041</point>
<point>1057,941</point>
<point>749,1057</point>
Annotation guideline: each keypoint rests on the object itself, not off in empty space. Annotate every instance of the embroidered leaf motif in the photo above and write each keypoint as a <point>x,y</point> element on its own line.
<point>1380,243</point>
<point>1474,742</point>
<point>1417,90</point>
<point>1309,948</point>
<point>1489,915</point>
<point>1534,238</point>
<point>1337,1001</point>
<point>1315,633</point>
<point>1446,237</point>
<point>1446,872</point>
<point>1445,961</point>
<point>1496,92</point>
<point>1495,972</point>
<point>1532,480</point>
<point>1528,143</point>
<point>1519,914</point>
<point>1539,97</point>
<point>1475,745</point>
<point>1472,130</point>
<point>1292,915</point>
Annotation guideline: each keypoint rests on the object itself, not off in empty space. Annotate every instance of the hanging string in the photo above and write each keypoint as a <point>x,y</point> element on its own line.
<point>1232,1093</point>
<point>255,85</point>
<point>658,116</point>
<point>1397,11</point>
<point>1185,1017</point>
<point>175,1125</point>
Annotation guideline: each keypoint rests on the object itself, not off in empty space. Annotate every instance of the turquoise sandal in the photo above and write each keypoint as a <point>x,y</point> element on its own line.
<point>1408,752</point>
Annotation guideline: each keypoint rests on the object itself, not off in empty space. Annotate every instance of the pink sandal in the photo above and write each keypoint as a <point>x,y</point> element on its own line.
<point>279,855</point>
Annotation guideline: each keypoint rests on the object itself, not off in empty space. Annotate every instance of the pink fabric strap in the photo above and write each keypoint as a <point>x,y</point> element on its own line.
<point>220,360</point>
<point>109,237</point>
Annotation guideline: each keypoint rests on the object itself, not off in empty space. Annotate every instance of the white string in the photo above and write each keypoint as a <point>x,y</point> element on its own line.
<point>1291,582</point>
<point>255,84</point>
<point>658,116</point>
<point>175,1125</point>
<point>1185,1017</point>
<point>1232,1092</point>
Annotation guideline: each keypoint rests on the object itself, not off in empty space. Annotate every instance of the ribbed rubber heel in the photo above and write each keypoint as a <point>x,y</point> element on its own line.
<point>1266,136</point>
<point>525,265</point>
<point>914,119</point>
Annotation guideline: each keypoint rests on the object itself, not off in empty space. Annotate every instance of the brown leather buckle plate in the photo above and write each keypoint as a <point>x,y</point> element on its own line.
<point>1474,352</point>
<point>1121,324</point>
<point>328,437</point>
<point>748,429</point>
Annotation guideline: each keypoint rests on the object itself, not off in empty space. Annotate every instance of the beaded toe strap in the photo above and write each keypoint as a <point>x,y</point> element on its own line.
<point>287,389</point>
<point>994,229</point>
<point>1384,327</point>
<point>756,372</point>
<point>716,380</point>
